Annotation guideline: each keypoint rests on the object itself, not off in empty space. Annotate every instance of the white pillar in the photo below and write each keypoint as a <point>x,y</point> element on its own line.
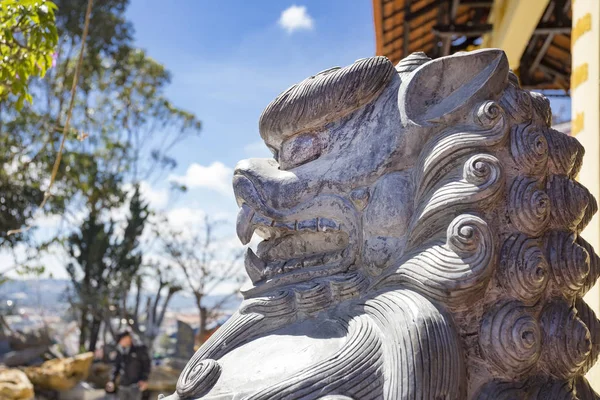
<point>585,116</point>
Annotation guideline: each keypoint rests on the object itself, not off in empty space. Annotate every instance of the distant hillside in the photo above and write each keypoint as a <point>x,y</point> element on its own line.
<point>34,292</point>
<point>51,294</point>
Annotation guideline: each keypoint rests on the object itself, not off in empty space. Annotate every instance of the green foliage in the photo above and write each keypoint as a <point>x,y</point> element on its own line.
<point>28,38</point>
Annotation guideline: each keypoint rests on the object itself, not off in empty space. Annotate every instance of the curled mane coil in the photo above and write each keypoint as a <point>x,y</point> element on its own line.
<point>523,268</point>
<point>450,272</point>
<point>529,206</point>
<point>511,338</point>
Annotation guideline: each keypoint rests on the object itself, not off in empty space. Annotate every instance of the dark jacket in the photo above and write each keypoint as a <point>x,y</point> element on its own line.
<point>131,365</point>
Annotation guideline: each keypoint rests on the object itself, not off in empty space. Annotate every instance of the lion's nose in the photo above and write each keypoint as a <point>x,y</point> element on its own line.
<point>256,172</point>
<point>259,182</point>
<point>251,178</point>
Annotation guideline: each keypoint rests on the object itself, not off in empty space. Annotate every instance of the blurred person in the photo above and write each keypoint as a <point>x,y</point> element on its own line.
<point>131,367</point>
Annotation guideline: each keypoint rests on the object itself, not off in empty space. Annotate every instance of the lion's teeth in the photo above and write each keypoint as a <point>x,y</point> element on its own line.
<point>326,224</point>
<point>254,266</point>
<point>261,220</point>
<point>308,225</point>
<point>290,226</point>
<point>244,226</point>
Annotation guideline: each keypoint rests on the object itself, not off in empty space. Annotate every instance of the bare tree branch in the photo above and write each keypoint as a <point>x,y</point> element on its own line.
<point>203,268</point>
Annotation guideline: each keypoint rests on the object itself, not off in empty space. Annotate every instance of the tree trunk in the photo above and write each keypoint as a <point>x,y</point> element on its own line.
<point>104,333</point>
<point>138,298</point>
<point>150,324</point>
<point>94,332</point>
<point>83,329</point>
<point>202,329</point>
<point>202,317</point>
<point>161,316</point>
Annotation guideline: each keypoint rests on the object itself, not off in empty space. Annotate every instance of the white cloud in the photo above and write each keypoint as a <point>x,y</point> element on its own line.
<point>216,177</point>
<point>190,220</point>
<point>158,198</point>
<point>295,18</point>
<point>183,217</point>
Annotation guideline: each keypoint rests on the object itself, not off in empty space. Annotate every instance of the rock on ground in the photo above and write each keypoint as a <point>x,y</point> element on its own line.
<point>60,374</point>
<point>14,385</point>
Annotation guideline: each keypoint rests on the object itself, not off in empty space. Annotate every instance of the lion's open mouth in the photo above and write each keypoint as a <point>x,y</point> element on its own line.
<point>293,247</point>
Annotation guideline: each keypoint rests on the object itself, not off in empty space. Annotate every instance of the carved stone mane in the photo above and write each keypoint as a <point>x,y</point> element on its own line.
<point>421,229</point>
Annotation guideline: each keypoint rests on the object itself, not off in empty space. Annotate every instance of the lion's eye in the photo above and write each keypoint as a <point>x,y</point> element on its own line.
<point>299,150</point>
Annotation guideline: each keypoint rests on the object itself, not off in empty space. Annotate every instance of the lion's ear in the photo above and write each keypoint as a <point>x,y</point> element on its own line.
<point>439,88</point>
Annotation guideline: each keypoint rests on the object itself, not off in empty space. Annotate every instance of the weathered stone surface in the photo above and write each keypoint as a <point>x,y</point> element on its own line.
<point>421,241</point>
<point>62,373</point>
<point>14,385</point>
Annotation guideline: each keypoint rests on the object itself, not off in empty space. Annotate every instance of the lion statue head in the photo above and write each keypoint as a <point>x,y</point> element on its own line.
<point>420,227</point>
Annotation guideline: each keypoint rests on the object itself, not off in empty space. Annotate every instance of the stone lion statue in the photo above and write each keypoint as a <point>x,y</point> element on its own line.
<point>421,241</point>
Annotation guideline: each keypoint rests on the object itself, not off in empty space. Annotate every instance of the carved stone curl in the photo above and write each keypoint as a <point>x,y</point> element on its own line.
<point>529,148</point>
<point>566,153</point>
<point>570,201</point>
<point>567,341</point>
<point>569,262</point>
<point>529,206</point>
<point>412,62</point>
<point>198,380</point>
<point>516,102</point>
<point>594,274</point>
<point>523,268</point>
<point>588,317</point>
<point>510,338</point>
<point>462,263</point>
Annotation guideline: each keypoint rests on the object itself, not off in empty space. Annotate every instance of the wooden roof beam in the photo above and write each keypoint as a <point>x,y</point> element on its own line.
<point>469,30</point>
<point>476,3</point>
<point>514,21</point>
<point>378,21</point>
<point>447,31</point>
<point>406,39</point>
<point>413,14</point>
<point>447,41</point>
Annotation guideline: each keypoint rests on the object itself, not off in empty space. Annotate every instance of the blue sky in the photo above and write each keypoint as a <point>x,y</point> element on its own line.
<point>229,59</point>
